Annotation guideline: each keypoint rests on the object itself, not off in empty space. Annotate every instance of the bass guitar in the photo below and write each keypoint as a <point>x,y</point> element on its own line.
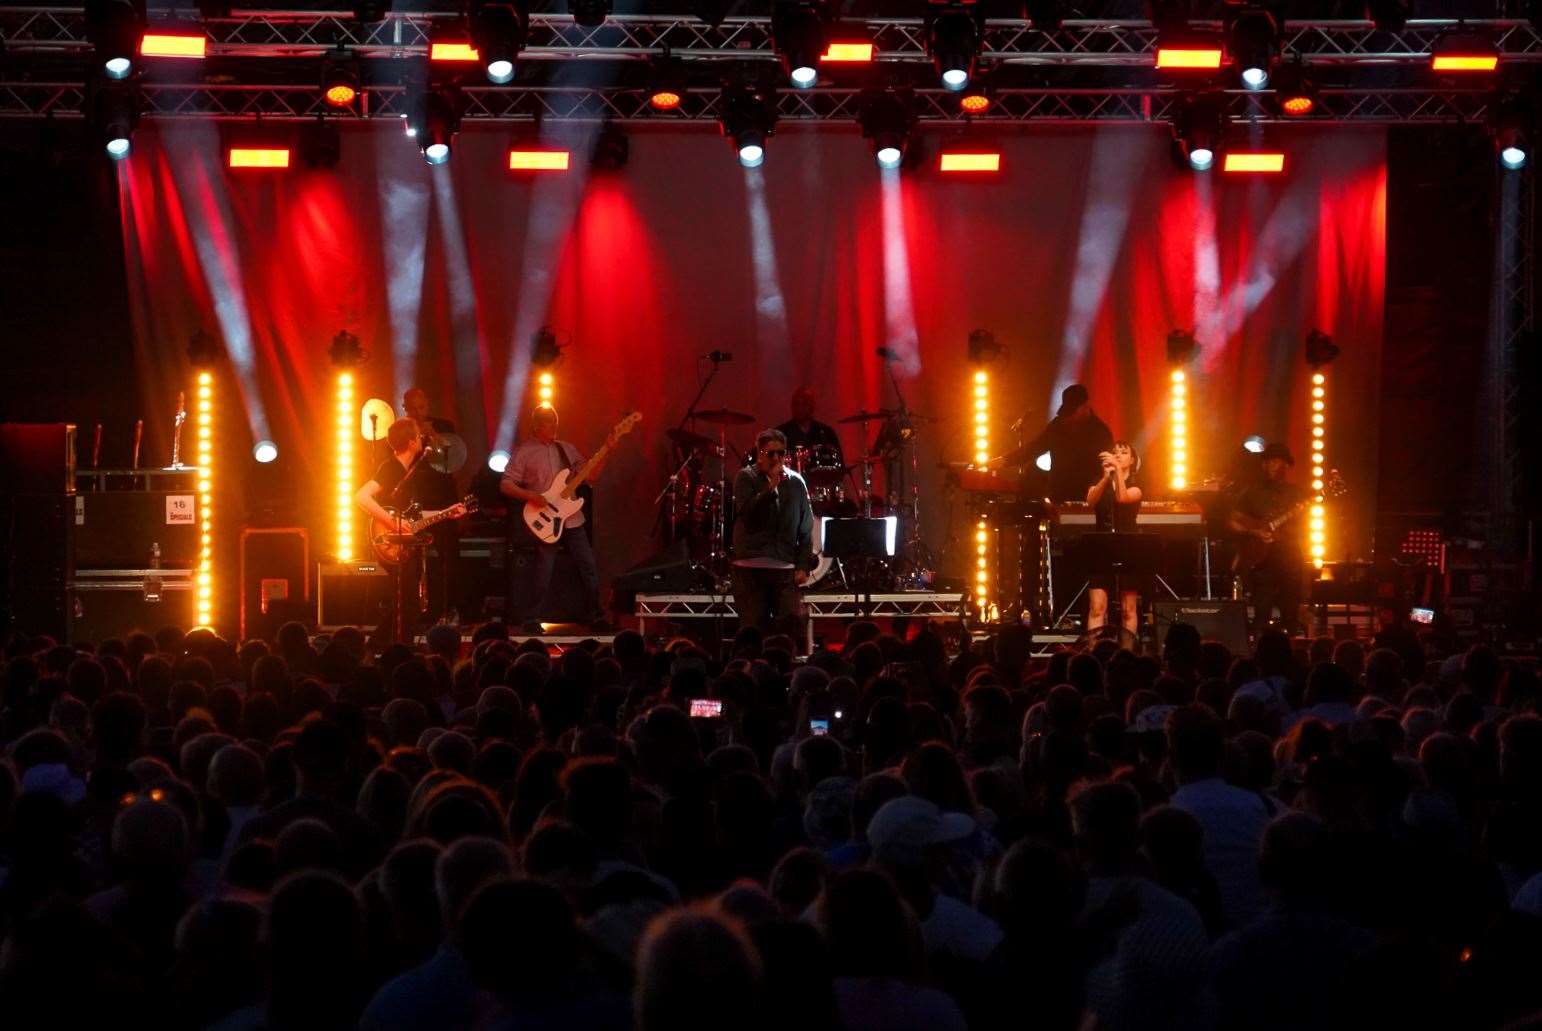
<point>1253,550</point>
<point>547,517</point>
<point>390,539</point>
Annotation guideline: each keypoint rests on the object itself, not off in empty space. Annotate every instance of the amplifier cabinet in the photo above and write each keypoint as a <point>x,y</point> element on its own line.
<point>356,594</point>
<point>275,578</point>
<point>118,529</point>
<point>1220,620</point>
<point>116,602</point>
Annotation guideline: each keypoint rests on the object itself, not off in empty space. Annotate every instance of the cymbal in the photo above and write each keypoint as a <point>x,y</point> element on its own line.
<point>375,418</point>
<point>724,416</point>
<point>864,416</point>
<point>448,453</point>
<point>690,440</point>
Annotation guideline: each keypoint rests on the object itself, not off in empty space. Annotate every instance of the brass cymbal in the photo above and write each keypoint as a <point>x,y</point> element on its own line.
<point>865,416</point>
<point>691,440</point>
<point>724,416</point>
<point>375,418</point>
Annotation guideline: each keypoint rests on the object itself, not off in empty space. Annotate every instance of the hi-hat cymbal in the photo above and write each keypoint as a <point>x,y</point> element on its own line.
<point>882,413</point>
<point>448,453</point>
<point>724,416</point>
<point>690,440</point>
<point>375,418</point>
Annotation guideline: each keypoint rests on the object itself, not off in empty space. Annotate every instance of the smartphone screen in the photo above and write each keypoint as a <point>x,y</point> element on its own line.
<point>706,708</point>
<point>1422,615</point>
<point>818,727</point>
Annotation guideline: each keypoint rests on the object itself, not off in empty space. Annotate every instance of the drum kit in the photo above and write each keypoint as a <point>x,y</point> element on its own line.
<point>696,503</point>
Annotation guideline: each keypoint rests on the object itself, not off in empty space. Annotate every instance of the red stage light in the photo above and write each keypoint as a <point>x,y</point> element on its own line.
<point>1255,162</point>
<point>974,103</point>
<point>1188,57</point>
<point>1301,104</point>
<point>173,44</point>
<point>1465,62</point>
<point>259,157</point>
<point>452,52</point>
<point>341,94</point>
<point>664,99</point>
<point>973,162</point>
<point>538,160</point>
<point>848,53</point>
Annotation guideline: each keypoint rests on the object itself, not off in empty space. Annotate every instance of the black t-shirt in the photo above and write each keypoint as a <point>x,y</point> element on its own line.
<point>389,476</point>
<point>1114,516</point>
<point>1267,499</point>
<point>1073,446</point>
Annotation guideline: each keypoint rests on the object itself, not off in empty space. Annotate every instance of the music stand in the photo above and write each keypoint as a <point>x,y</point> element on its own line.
<point>1118,555</point>
<point>859,537</point>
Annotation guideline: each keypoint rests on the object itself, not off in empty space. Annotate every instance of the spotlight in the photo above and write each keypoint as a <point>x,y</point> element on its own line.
<point>1294,92</point>
<point>886,118</point>
<point>265,451</point>
<point>668,88</point>
<point>1043,461</point>
<point>174,42</point>
<point>984,347</point>
<point>1510,125</point>
<point>799,35</point>
<point>340,77</point>
<point>1389,15</point>
<point>498,461</point>
<point>953,39</point>
<point>544,349</point>
<point>975,98</point>
<point>1253,444</point>
<point>441,121</point>
<point>1253,45</point>
<point>115,29</point>
<point>589,13</point>
<point>748,118</point>
<point>498,32</point>
<point>1462,52</point>
<point>1320,349</point>
<point>115,112</point>
<point>1180,346</point>
<point>1045,15</point>
<point>345,351</point>
<point>1197,129</point>
<point>1188,52</point>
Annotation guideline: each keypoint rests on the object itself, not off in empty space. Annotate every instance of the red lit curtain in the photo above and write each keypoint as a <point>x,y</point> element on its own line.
<point>1080,256</point>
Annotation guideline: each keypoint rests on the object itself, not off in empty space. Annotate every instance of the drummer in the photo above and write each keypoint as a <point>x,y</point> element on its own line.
<point>803,431</point>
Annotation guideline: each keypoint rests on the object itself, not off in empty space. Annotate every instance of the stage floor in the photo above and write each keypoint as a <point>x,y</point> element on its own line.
<point>816,605</point>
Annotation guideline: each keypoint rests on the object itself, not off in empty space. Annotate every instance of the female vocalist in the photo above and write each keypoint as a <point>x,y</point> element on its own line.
<point>1116,502</point>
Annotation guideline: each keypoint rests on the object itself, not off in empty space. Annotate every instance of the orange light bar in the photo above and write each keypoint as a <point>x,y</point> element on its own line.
<point>538,160</point>
<point>341,95</point>
<point>1465,62</point>
<point>1188,57</point>
<point>974,103</point>
<point>1300,104</point>
<point>167,44</point>
<point>1257,162</point>
<point>452,52</point>
<point>856,53</point>
<point>259,157</point>
<point>971,163</point>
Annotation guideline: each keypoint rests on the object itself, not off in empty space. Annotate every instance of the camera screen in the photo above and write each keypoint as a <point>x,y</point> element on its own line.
<point>706,707</point>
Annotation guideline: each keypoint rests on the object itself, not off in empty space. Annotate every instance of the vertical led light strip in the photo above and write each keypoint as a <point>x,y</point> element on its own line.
<point>1178,430</point>
<point>203,609</point>
<point>344,463</point>
<point>982,576</point>
<point>546,388</point>
<point>982,417</point>
<point>1318,525</point>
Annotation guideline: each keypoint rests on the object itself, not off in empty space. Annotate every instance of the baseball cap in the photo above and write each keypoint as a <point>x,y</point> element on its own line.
<point>1280,451</point>
<point>903,827</point>
<point>1072,398</point>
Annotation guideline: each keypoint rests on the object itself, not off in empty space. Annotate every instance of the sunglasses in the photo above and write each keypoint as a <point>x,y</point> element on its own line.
<point>773,452</point>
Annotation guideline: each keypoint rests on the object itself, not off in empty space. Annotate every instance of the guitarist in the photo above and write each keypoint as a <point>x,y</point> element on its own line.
<point>531,469</point>
<point>1275,578</point>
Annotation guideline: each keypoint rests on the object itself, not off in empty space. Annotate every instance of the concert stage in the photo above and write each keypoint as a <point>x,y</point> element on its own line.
<point>893,607</point>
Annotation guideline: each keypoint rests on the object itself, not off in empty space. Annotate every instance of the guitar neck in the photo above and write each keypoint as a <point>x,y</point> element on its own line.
<point>433,519</point>
<point>581,473</point>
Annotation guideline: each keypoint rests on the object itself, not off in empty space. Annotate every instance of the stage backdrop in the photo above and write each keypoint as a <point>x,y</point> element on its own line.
<point>1080,256</point>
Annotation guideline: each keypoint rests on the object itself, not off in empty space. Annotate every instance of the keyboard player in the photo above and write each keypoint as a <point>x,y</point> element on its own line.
<point>1074,439</point>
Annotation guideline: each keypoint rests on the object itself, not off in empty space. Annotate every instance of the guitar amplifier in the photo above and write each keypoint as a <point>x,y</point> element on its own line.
<point>275,579</point>
<point>1220,620</point>
<point>355,594</point>
<point>118,529</point>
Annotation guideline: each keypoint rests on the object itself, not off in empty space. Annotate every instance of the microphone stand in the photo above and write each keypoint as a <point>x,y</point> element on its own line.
<point>916,556</point>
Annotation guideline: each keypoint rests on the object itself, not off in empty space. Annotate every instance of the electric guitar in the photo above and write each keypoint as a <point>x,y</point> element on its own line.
<point>1252,550</point>
<point>390,539</point>
<point>546,518</point>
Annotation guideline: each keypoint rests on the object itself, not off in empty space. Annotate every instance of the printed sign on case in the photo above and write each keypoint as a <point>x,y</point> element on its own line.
<point>179,510</point>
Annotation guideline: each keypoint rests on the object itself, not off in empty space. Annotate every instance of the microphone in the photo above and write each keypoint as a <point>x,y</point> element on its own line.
<point>888,354</point>
<point>719,356</point>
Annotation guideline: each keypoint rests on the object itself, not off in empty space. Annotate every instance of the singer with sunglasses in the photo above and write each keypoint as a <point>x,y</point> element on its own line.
<point>773,537</point>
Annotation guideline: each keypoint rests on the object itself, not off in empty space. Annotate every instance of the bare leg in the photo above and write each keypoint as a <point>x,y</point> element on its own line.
<point>1097,607</point>
<point>1130,601</point>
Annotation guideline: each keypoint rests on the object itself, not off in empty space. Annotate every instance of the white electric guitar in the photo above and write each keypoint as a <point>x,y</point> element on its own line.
<point>547,517</point>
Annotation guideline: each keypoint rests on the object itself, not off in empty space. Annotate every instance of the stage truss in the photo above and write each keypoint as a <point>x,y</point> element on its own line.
<point>816,605</point>
<point>267,69</point>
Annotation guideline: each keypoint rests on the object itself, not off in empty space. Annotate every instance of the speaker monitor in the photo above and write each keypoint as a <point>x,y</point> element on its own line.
<point>1221,620</point>
<point>355,593</point>
<point>118,529</point>
<point>275,578</point>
